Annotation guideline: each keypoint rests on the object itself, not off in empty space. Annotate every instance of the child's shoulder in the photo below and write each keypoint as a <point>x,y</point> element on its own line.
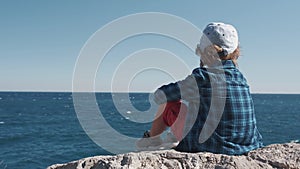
<point>200,73</point>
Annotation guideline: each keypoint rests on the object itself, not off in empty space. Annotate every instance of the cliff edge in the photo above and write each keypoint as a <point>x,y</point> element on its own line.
<point>286,156</point>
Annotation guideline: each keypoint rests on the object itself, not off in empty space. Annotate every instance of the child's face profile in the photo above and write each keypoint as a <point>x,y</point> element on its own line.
<point>197,50</point>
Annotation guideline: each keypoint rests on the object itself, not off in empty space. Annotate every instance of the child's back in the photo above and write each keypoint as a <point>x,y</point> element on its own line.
<point>220,117</point>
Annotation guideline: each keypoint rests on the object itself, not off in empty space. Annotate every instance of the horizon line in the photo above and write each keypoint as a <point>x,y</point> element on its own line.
<point>68,91</point>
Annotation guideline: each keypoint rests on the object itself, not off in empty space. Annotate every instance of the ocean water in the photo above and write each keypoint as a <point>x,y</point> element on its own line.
<point>40,129</point>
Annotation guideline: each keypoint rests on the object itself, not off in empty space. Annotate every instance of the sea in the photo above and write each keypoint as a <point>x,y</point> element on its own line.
<point>38,129</point>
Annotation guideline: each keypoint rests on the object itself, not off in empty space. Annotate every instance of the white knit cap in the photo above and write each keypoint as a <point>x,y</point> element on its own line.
<point>221,34</point>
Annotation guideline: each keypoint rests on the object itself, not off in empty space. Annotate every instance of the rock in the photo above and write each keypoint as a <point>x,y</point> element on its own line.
<point>286,156</point>
<point>278,155</point>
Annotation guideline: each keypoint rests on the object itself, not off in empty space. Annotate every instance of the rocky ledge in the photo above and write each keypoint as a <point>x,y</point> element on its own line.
<point>285,156</point>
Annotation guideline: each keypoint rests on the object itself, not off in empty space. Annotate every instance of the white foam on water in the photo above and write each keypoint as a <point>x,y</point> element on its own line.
<point>66,106</point>
<point>1,122</point>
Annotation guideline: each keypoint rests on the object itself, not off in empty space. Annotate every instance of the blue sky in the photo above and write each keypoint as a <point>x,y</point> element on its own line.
<point>41,40</point>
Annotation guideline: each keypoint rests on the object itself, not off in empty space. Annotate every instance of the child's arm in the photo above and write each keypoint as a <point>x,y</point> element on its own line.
<point>186,89</point>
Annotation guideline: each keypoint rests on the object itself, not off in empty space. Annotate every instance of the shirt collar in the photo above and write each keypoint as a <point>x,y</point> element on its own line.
<point>228,64</point>
<point>225,64</point>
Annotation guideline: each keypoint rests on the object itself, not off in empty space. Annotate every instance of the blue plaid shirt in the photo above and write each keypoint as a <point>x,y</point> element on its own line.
<point>235,131</point>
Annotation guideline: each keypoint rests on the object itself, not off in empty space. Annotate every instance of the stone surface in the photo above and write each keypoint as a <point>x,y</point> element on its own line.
<point>286,156</point>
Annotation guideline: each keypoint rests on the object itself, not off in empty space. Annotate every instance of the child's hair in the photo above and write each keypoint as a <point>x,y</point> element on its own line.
<point>232,56</point>
<point>215,51</point>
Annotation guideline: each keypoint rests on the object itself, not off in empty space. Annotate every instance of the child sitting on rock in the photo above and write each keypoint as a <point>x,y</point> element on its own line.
<point>220,114</point>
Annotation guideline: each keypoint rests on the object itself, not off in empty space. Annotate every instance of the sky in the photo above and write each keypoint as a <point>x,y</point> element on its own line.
<point>40,42</point>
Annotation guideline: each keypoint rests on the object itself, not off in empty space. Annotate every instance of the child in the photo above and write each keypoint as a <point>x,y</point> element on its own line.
<point>219,100</point>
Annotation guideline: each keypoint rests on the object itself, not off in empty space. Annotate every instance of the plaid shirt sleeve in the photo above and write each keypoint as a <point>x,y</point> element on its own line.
<point>185,89</point>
